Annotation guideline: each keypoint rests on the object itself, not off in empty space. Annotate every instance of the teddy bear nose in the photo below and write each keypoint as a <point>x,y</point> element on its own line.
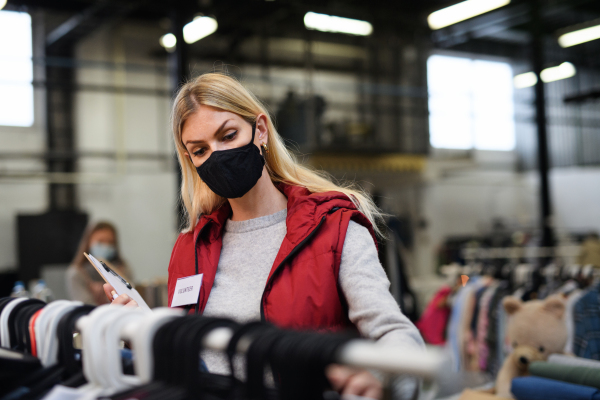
<point>523,360</point>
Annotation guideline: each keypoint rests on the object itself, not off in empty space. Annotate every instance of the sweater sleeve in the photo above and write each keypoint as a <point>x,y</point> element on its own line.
<point>371,306</point>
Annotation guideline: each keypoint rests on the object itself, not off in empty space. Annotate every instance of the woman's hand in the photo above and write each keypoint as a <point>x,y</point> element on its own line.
<point>359,382</point>
<point>122,299</point>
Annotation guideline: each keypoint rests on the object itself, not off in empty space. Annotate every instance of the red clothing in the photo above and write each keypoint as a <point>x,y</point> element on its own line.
<point>302,290</point>
<point>432,323</point>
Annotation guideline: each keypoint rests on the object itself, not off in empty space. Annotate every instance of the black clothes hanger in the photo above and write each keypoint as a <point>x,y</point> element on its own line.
<point>257,357</point>
<point>300,360</point>
<point>16,338</point>
<point>68,356</point>
<point>13,366</point>
<point>204,384</point>
<point>23,338</point>
<point>249,329</point>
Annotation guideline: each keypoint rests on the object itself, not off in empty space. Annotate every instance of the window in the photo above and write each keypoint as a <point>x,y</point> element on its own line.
<point>470,104</point>
<point>16,69</point>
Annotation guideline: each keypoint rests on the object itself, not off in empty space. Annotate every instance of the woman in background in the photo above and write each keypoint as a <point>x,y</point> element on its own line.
<point>83,281</point>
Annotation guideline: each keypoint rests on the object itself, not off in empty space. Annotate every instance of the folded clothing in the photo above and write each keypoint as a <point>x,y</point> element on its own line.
<point>536,388</point>
<point>571,360</point>
<point>567,373</point>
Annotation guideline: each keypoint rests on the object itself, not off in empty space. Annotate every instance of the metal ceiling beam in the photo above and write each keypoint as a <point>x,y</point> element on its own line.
<point>87,21</point>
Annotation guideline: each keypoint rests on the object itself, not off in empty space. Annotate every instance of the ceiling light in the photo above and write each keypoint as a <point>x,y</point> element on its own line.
<point>562,71</point>
<point>168,41</point>
<point>525,80</point>
<point>2,4</point>
<point>579,36</point>
<point>330,23</point>
<point>461,11</point>
<point>199,28</point>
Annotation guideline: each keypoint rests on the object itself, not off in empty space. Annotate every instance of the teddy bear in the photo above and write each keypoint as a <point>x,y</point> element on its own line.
<point>536,329</point>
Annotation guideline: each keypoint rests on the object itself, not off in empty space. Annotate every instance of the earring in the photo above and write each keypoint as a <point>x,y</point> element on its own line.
<point>265,148</point>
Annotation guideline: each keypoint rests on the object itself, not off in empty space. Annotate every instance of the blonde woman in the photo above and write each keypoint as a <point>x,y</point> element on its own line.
<point>273,239</point>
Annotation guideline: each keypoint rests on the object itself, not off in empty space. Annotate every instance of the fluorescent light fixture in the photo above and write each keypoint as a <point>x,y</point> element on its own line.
<point>168,41</point>
<point>330,23</point>
<point>199,28</point>
<point>579,36</point>
<point>562,71</point>
<point>462,11</point>
<point>2,4</point>
<point>525,80</point>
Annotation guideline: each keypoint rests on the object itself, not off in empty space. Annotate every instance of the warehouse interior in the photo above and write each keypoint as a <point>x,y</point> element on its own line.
<point>479,139</point>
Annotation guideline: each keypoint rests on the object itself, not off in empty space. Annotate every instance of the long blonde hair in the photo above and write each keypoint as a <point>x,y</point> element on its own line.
<point>225,93</point>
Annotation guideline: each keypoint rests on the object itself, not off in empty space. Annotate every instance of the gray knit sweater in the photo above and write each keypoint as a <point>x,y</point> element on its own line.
<point>249,250</point>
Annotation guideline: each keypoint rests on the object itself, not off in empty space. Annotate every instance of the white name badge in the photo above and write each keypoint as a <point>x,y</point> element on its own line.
<point>187,290</point>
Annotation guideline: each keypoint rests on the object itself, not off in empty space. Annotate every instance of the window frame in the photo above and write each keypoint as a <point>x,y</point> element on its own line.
<point>443,152</point>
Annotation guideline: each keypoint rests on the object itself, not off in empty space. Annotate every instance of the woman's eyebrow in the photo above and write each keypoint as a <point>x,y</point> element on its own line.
<point>217,132</point>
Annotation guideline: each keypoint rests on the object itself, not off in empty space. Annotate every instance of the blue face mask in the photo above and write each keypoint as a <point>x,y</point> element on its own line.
<point>104,251</point>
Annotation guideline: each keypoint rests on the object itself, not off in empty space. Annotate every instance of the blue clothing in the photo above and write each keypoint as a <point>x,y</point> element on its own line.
<point>586,319</point>
<point>454,324</point>
<point>536,388</point>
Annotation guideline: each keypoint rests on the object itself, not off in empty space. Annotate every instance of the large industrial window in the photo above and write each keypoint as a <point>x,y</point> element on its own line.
<point>470,104</point>
<point>16,69</point>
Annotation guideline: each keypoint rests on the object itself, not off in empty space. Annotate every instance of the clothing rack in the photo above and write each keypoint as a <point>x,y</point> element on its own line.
<point>359,353</point>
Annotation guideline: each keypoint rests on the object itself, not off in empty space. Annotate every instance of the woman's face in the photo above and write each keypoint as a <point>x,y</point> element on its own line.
<point>211,129</point>
<point>103,236</point>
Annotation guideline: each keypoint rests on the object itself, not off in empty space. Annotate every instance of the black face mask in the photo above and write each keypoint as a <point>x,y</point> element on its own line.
<point>232,173</point>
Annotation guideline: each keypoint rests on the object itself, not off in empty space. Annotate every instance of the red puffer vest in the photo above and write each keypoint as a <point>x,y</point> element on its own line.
<point>302,290</point>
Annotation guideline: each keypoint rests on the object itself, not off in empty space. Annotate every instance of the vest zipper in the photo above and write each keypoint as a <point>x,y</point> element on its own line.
<point>197,305</point>
<point>290,255</point>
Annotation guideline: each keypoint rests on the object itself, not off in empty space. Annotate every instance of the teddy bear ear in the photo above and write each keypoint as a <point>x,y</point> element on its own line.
<point>511,304</point>
<point>555,305</point>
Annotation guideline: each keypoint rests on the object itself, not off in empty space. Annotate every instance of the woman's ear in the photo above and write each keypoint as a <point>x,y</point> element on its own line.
<point>262,132</point>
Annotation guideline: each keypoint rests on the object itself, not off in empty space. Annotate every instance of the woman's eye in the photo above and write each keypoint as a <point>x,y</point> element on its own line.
<point>199,152</point>
<point>230,136</point>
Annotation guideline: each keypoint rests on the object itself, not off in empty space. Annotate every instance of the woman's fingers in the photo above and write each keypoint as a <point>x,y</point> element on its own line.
<point>125,300</point>
<point>363,384</point>
<point>108,289</point>
<point>132,303</point>
<point>351,381</point>
<point>339,375</point>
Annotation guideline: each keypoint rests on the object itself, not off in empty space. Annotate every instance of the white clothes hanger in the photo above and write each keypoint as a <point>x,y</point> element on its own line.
<point>92,345</point>
<point>112,370</point>
<point>42,321</point>
<point>4,332</point>
<point>141,334</point>
<point>49,356</point>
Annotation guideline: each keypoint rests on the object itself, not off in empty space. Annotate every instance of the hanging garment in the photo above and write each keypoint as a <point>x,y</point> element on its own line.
<point>434,320</point>
<point>586,317</point>
<point>494,334</point>
<point>482,327</point>
<point>536,388</point>
<point>579,375</point>
<point>308,260</point>
<point>569,319</point>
